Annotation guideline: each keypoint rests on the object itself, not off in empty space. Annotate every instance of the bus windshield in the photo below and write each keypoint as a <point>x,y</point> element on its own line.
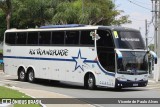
<point>128,40</point>
<point>133,63</point>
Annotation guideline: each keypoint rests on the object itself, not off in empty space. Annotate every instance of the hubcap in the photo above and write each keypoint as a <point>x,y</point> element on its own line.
<point>31,76</point>
<point>90,82</point>
<point>22,75</point>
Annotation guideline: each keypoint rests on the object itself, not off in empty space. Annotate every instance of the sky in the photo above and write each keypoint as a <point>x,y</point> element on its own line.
<point>138,14</point>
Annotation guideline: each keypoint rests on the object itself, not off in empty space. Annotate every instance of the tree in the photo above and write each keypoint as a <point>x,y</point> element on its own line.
<point>32,13</point>
<point>6,6</point>
<point>151,47</point>
<point>2,24</point>
<point>92,12</point>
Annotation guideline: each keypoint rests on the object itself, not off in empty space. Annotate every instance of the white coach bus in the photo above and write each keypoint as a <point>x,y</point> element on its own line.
<point>91,55</point>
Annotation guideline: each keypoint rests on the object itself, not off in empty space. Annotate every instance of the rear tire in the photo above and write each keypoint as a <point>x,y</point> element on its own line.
<point>31,76</point>
<point>21,75</point>
<point>91,82</point>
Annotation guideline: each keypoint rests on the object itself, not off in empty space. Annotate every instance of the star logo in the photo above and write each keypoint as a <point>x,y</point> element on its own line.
<point>79,61</point>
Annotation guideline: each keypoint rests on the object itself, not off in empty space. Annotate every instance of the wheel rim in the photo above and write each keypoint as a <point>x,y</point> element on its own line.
<point>31,76</point>
<point>90,82</point>
<point>22,75</point>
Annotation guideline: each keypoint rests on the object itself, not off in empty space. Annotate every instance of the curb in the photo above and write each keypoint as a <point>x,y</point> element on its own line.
<point>6,105</point>
<point>56,95</point>
<point>13,87</point>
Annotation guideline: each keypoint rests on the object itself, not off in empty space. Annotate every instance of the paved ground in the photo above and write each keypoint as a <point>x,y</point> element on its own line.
<point>40,89</point>
<point>35,93</point>
<point>46,94</point>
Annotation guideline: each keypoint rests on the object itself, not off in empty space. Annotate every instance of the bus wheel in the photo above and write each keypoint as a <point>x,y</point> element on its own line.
<point>31,77</point>
<point>21,75</point>
<point>91,82</point>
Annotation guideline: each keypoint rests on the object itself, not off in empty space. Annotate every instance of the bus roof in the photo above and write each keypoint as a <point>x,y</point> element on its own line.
<point>62,26</point>
<point>70,27</point>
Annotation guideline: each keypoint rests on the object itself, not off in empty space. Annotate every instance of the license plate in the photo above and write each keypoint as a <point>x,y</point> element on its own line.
<point>135,85</point>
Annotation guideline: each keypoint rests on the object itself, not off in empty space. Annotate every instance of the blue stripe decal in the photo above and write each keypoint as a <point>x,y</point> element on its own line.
<point>37,58</point>
<point>58,59</point>
<point>102,69</point>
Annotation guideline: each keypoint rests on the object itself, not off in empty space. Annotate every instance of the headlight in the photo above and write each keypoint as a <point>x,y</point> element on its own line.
<point>145,77</point>
<point>122,78</point>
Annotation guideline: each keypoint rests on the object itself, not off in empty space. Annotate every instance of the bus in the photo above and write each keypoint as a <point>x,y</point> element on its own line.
<point>94,56</point>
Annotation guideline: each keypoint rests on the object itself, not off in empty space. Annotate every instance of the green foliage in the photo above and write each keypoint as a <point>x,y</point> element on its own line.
<point>151,47</point>
<point>6,7</point>
<point>1,51</point>
<point>92,12</point>
<point>2,25</point>
<point>32,13</point>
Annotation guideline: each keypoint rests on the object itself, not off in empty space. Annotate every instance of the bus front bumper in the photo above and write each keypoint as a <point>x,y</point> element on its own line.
<point>130,83</point>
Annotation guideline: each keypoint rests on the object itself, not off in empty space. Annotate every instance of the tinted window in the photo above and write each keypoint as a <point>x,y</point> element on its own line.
<point>72,37</point>
<point>105,40</point>
<point>32,38</point>
<point>86,39</point>
<point>58,38</point>
<point>128,40</point>
<point>10,38</point>
<point>44,37</point>
<point>21,38</point>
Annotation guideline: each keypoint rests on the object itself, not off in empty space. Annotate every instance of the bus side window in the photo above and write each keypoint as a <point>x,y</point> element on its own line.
<point>44,38</point>
<point>21,38</point>
<point>72,38</point>
<point>32,38</point>
<point>10,38</point>
<point>58,38</point>
<point>86,39</point>
<point>105,39</point>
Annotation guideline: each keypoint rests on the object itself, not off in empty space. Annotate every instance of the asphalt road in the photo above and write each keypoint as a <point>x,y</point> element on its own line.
<point>151,91</point>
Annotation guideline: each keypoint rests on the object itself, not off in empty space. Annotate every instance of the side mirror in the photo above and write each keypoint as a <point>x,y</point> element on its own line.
<point>119,57</point>
<point>154,56</point>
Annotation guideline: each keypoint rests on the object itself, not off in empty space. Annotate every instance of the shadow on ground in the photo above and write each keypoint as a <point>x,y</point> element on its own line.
<point>67,85</point>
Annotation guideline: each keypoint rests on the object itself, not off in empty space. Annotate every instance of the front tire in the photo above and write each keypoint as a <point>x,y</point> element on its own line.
<point>21,75</point>
<point>31,76</point>
<point>91,82</point>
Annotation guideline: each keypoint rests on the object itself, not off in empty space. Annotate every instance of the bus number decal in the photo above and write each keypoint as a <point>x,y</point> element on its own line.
<point>115,34</point>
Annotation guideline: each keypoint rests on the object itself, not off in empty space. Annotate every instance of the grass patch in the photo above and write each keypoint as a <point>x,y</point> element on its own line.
<point>9,93</point>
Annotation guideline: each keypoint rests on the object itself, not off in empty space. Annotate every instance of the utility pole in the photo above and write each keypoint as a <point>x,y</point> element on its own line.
<point>157,39</point>
<point>156,28</point>
<point>146,34</point>
<point>158,47</point>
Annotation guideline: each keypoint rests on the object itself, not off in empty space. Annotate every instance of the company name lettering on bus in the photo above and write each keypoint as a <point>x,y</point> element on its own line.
<point>130,39</point>
<point>62,52</point>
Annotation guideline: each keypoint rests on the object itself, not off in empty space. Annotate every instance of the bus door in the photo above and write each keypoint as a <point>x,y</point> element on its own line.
<point>105,50</point>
